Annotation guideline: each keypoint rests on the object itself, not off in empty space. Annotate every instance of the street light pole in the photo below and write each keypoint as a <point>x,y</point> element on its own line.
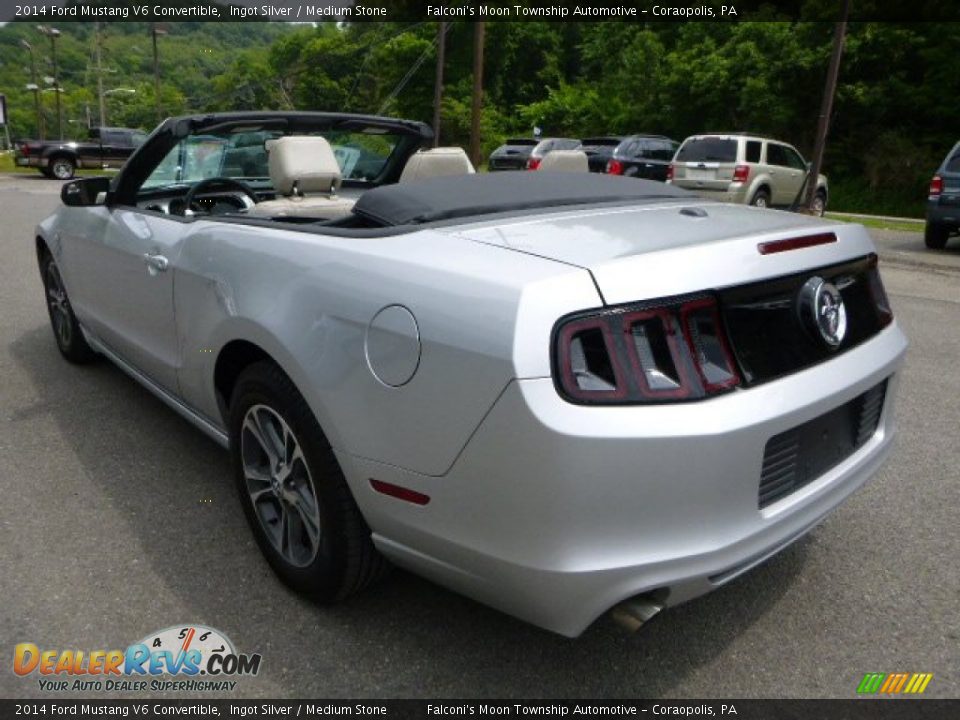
<point>53,34</point>
<point>36,89</point>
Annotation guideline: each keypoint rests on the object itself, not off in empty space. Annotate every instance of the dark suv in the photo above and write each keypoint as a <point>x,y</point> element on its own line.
<point>943,203</point>
<point>643,156</point>
<point>523,154</point>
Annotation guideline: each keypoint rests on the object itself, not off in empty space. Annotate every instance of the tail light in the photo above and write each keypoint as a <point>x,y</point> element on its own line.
<point>936,186</point>
<point>741,173</point>
<point>24,149</point>
<point>670,171</point>
<point>533,163</point>
<point>614,167</point>
<point>665,351</point>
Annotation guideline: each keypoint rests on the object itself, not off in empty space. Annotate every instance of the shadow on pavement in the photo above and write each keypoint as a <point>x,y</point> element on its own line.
<point>403,638</point>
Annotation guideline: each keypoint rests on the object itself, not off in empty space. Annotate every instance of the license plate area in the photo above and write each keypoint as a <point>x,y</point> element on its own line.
<point>800,455</point>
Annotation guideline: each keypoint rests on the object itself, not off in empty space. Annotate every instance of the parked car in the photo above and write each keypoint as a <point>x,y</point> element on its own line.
<point>599,150</point>
<point>556,393</point>
<point>743,168</point>
<point>521,154</point>
<point>104,148</point>
<point>643,156</point>
<point>943,203</point>
<point>512,155</point>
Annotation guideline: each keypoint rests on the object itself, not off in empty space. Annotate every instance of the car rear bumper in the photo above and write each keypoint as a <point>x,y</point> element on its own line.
<point>555,513</point>
<point>944,211</point>
<point>734,193</point>
<point>30,161</point>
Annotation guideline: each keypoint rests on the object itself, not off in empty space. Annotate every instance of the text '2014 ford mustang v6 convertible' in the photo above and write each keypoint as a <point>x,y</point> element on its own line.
<point>558,393</point>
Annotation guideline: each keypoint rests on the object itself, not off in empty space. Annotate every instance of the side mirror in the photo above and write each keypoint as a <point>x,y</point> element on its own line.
<point>809,166</point>
<point>86,192</point>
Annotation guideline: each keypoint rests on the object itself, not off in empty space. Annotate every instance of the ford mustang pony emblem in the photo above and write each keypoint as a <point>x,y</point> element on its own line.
<point>822,311</point>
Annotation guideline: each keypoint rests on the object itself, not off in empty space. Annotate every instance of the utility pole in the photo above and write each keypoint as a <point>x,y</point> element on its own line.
<point>36,89</point>
<point>826,105</point>
<point>478,40</point>
<point>103,105</point>
<point>438,82</point>
<point>154,31</point>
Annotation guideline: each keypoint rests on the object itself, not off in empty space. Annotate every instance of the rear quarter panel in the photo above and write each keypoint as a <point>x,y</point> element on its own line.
<point>484,317</point>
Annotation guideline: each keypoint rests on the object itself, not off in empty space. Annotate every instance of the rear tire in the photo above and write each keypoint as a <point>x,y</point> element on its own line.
<point>293,492</point>
<point>66,329</point>
<point>761,199</point>
<point>935,235</point>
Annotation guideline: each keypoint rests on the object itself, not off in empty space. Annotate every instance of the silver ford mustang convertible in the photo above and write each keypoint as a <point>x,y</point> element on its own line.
<point>561,394</point>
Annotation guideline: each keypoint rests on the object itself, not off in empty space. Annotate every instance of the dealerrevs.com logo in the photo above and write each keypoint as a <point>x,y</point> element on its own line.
<point>187,658</point>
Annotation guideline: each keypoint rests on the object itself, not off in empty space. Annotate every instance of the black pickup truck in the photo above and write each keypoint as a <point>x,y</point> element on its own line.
<point>105,148</point>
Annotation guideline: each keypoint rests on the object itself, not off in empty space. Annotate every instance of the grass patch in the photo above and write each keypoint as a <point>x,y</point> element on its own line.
<point>879,223</point>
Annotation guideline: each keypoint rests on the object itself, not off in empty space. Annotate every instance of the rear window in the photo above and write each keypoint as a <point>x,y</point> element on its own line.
<point>708,149</point>
<point>521,141</point>
<point>953,162</point>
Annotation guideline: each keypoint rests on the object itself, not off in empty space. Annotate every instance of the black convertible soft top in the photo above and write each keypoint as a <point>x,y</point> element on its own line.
<point>463,196</point>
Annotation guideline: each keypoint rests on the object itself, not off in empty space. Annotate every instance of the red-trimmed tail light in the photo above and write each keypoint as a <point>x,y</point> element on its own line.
<point>614,167</point>
<point>670,171</point>
<point>669,351</point>
<point>533,163</point>
<point>741,173</point>
<point>936,186</point>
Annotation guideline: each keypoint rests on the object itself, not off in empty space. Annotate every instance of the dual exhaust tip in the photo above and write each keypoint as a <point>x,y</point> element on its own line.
<point>634,613</point>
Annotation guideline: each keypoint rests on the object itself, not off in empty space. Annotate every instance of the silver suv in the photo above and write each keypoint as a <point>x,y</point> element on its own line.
<point>745,169</point>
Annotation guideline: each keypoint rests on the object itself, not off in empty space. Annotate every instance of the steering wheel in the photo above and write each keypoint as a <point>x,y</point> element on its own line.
<point>225,182</point>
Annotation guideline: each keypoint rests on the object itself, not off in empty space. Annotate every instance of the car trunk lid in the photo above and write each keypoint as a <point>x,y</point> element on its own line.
<point>644,252</point>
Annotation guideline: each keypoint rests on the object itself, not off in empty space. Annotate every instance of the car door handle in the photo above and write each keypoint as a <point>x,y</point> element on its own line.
<point>157,263</point>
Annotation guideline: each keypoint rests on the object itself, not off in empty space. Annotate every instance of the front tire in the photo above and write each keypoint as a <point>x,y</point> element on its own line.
<point>66,329</point>
<point>935,235</point>
<point>819,205</point>
<point>62,167</point>
<point>293,493</point>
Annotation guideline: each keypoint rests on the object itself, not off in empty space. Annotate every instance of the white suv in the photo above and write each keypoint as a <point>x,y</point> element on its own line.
<point>745,169</point>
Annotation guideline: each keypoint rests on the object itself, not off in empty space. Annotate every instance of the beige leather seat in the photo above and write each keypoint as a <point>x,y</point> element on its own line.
<point>565,161</point>
<point>436,162</point>
<point>304,170</point>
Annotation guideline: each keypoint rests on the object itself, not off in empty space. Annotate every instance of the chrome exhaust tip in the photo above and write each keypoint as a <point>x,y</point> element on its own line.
<point>636,612</point>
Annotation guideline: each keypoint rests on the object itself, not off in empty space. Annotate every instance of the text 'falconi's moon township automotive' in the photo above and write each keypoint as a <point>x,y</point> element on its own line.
<point>558,393</point>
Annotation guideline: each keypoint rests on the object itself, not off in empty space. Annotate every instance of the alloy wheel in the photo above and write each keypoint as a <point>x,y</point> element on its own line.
<point>59,306</point>
<point>280,485</point>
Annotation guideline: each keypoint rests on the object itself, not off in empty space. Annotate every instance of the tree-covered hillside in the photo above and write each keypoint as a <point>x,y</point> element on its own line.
<point>895,114</point>
<point>192,55</point>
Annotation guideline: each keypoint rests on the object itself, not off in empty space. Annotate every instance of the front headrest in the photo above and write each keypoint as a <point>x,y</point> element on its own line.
<point>565,161</point>
<point>306,161</point>
<point>436,162</point>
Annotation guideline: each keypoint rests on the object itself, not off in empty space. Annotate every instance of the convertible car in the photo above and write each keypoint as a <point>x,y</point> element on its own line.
<point>561,394</point>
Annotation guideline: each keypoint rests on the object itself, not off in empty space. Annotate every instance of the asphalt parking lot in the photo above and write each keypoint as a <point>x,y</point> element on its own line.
<point>119,519</point>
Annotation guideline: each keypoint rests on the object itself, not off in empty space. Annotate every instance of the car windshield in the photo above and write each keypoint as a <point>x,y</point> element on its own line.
<point>242,155</point>
<point>521,141</point>
<point>601,142</point>
<point>708,149</point>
